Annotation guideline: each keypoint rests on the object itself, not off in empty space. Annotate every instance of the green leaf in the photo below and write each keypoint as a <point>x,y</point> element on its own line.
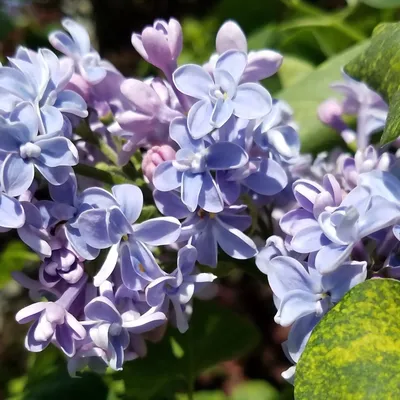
<point>14,257</point>
<point>215,334</point>
<point>382,3</point>
<point>293,69</point>
<point>379,67</point>
<point>354,352</point>
<point>252,390</point>
<point>306,95</point>
<point>47,379</point>
<point>61,386</point>
<point>204,395</point>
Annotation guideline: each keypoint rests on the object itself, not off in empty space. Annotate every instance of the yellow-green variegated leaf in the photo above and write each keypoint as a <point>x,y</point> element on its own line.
<point>354,352</point>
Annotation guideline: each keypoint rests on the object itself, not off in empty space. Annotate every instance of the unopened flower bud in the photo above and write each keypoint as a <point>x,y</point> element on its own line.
<point>154,157</point>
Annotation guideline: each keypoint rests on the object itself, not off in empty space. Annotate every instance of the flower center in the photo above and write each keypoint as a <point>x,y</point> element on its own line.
<point>29,150</point>
<point>216,93</point>
<point>198,163</point>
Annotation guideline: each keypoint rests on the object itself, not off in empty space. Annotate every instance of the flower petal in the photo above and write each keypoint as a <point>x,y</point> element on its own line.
<point>252,101</point>
<point>193,80</point>
<point>210,198</point>
<point>130,199</point>
<point>234,243</point>
<point>102,309</point>
<point>166,177</point>
<point>234,62</point>
<point>16,175</point>
<point>191,187</point>
<point>225,155</point>
<point>158,231</point>
<point>108,266</point>
<point>199,118</point>
<point>58,151</point>
<point>12,214</point>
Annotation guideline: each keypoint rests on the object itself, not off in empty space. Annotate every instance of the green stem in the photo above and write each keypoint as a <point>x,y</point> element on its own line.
<point>190,365</point>
<point>340,25</point>
<point>102,176</point>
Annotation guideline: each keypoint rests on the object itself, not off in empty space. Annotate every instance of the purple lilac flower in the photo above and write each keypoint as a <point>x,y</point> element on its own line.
<point>147,120</point>
<point>63,264</point>
<point>160,44</point>
<point>263,176</point>
<point>365,160</point>
<point>179,286</point>
<point>25,150</point>
<point>77,46</point>
<point>110,330</point>
<point>53,322</point>
<point>206,231</point>
<point>261,64</point>
<point>191,170</point>
<point>277,135</point>
<point>332,228</point>
<point>40,79</point>
<point>369,108</point>
<point>67,206</point>
<point>12,214</point>
<point>221,96</point>
<point>115,226</point>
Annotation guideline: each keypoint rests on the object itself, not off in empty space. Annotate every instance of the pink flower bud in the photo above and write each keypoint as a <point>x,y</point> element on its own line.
<point>154,157</point>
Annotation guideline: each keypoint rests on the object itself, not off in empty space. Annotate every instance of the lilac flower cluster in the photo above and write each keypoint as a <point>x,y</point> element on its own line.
<point>213,142</point>
<point>220,157</point>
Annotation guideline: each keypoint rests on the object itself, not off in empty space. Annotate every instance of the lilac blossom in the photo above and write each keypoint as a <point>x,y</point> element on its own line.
<point>53,322</point>
<point>76,45</point>
<point>263,176</point>
<point>221,96</point>
<point>12,213</point>
<point>365,160</point>
<point>208,231</point>
<point>331,227</point>
<point>160,44</point>
<point>369,108</point>
<point>67,206</point>
<point>277,135</point>
<point>63,264</point>
<point>148,120</point>
<point>25,150</point>
<point>40,79</point>
<point>112,227</point>
<point>110,330</point>
<point>191,170</point>
<point>179,286</point>
<point>261,64</point>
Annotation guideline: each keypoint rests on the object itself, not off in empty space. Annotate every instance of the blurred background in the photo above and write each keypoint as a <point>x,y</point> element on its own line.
<point>307,33</point>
